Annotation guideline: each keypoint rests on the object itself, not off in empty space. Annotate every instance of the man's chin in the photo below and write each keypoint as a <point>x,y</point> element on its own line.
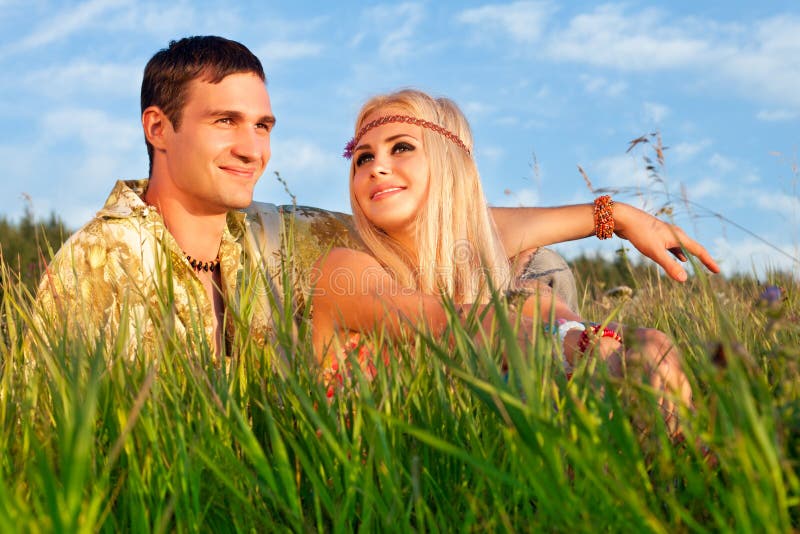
<point>241,201</point>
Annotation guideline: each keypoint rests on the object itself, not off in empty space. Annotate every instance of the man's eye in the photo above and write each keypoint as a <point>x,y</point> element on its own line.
<point>362,158</point>
<point>264,126</point>
<point>225,120</point>
<point>402,147</point>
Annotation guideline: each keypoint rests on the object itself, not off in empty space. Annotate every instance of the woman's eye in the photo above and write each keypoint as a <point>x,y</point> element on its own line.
<point>402,147</point>
<point>362,158</point>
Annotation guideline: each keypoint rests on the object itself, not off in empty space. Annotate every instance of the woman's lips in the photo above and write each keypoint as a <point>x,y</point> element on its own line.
<point>383,192</point>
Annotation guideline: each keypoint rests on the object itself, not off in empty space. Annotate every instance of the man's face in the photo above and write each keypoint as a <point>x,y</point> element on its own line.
<point>221,147</point>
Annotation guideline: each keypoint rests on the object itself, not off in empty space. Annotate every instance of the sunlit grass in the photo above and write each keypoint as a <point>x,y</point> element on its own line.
<point>440,440</point>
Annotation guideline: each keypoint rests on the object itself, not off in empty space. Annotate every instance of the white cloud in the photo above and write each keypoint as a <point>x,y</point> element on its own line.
<point>786,205</point>
<point>473,107</point>
<point>777,115</point>
<point>397,25</point>
<point>655,113</point>
<point>721,164</point>
<point>490,153</point>
<point>315,177</point>
<point>507,120</point>
<point>154,18</point>
<point>760,59</point>
<point>768,68</point>
<point>751,255</point>
<point>609,37</point>
<point>97,130</point>
<point>619,172</point>
<point>543,92</point>
<point>286,50</point>
<point>682,152</point>
<point>707,187</point>
<point>297,158</point>
<point>599,84</point>
<point>66,23</point>
<point>523,21</point>
<point>750,178</point>
<point>186,17</point>
<point>83,77</point>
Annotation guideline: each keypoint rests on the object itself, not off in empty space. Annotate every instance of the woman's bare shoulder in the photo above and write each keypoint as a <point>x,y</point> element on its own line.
<point>346,257</point>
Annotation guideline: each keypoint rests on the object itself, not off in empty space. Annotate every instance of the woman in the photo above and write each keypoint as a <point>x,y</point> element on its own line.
<point>419,207</point>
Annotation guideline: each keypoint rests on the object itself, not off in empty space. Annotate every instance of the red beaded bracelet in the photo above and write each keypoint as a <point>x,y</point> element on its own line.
<point>591,336</point>
<point>603,217</point>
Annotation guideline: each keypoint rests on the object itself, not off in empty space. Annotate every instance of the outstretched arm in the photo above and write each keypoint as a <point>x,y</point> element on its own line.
<point>525,228</point>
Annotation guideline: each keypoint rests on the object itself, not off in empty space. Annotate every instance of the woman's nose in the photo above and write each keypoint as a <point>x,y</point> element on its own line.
<point>381,165</point>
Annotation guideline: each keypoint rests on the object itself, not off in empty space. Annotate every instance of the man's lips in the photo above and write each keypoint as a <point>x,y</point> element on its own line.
<point>243,172</point>
<point>385,191</point>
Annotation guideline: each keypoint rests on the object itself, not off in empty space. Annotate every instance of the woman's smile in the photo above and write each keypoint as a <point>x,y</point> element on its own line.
<point>382,192</point>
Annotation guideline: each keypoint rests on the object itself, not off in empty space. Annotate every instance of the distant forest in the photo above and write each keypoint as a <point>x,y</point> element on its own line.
<point>25,246</point>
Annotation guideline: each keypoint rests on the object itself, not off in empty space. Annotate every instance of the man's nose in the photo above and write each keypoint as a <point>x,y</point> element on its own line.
<point>249,144</point>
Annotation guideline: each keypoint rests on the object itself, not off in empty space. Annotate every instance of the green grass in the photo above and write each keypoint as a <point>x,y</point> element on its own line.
<point>440,440</point>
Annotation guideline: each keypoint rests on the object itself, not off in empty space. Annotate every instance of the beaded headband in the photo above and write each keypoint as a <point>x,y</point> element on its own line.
<point>351,146</point>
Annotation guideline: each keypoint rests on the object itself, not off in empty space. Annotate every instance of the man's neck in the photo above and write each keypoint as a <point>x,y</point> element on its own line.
<point>198,234</point>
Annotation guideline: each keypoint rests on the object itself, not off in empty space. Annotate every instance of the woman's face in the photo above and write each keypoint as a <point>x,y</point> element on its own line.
<point>391,176</point>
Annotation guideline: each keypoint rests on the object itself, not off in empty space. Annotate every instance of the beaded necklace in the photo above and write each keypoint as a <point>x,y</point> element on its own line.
<point>203,266</point>
<point>198,265</point>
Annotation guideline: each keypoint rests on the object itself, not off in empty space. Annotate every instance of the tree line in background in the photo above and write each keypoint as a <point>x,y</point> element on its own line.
<point>26,246</point>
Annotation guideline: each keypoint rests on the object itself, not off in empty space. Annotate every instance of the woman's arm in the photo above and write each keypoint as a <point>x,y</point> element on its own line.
<point>526,228</point>
<point>352,291</point>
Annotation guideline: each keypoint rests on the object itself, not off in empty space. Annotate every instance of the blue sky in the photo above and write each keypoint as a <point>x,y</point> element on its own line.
<point>546,85</point>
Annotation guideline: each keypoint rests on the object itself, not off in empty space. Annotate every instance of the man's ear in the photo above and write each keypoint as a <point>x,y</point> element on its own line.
<point>155,124</point>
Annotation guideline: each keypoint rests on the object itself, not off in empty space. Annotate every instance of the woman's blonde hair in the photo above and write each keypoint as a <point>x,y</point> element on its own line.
<point>457,243</point>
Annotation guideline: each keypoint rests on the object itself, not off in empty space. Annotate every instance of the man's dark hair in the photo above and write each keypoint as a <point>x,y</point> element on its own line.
<point>170,70</point>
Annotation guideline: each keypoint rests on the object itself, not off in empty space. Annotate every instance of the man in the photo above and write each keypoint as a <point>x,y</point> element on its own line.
<point>173,241</point>
<point>164,255</point>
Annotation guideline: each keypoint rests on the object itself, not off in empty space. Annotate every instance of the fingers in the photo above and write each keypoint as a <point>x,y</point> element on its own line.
<point>678,253</point>
<point>703,255</point>
<point>695,249</point>
<point>673,269</point>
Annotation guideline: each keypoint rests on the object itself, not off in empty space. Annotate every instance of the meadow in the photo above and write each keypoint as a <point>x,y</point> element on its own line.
<point>439,440</point>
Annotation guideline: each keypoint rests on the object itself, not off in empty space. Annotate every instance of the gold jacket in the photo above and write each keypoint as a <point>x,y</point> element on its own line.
<point>122,279</point>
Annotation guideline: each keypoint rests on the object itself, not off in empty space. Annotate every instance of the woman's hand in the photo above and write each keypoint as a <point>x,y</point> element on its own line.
<point>657,239</point>
<point>647,349</point>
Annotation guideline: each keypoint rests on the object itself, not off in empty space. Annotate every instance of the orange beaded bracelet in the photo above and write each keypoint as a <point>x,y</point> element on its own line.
<point>603,217</point>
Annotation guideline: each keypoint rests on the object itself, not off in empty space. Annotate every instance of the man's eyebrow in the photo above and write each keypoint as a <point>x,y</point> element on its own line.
<point>238,115</point>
